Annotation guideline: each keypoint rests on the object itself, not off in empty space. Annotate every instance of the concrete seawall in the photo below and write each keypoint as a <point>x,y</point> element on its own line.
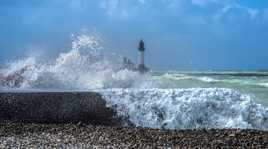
<point>55,107</point>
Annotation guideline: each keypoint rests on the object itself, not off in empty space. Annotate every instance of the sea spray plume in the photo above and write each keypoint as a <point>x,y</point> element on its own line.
<point>13,75</point>
<point>187,108</point>
<point>86,66</point>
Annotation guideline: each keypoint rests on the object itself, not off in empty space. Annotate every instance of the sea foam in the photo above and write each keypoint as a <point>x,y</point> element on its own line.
<point>187,108</point>
<point>137,98</point>
<point>85,67</point>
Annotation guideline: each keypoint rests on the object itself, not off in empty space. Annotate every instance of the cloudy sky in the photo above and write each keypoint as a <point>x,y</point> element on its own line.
<point>179,34</point>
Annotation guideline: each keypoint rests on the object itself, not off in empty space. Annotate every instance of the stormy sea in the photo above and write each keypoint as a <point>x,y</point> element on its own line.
<point>157,99</point>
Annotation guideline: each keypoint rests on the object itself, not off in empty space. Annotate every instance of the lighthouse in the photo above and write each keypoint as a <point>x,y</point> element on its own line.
<point>141,67</point>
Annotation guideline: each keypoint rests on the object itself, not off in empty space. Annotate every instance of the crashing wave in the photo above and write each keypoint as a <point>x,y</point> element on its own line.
<point>84,67</point>
<point>187,108</point>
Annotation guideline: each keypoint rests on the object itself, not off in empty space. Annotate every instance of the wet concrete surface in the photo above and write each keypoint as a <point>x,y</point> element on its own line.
<point>55,107</point>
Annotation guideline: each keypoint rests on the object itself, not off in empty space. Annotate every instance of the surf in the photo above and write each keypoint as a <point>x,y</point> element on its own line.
<point>193,108</point>
<point>167,101</point>
<point>85,67</point>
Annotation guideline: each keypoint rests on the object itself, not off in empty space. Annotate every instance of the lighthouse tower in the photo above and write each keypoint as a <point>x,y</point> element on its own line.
<point>141,67</point>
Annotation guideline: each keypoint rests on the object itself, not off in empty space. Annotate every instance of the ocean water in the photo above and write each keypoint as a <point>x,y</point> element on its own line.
<point>196,99</point>
<point>168,100</point>
<point>253,83</point>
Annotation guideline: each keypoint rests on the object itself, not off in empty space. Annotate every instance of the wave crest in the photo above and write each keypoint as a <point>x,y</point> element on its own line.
<point>187,108</point>
<point>84,67</point>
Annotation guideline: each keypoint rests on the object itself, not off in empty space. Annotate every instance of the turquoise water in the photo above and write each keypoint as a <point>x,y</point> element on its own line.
<point>253,83</point>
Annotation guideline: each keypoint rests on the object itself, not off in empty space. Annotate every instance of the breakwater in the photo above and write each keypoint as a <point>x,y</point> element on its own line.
<point>55,107</point>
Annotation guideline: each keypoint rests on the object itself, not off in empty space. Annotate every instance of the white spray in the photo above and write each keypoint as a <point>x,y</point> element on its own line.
<point>84,67</point>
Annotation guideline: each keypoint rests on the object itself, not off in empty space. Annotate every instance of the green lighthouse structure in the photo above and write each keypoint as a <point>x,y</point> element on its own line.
<point>141,67</point>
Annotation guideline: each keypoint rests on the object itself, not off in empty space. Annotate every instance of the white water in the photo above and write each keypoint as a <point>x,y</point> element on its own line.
<point>179,77</point>
<point>84,67</point>
<point>87,67</point>
<point>187,108</point>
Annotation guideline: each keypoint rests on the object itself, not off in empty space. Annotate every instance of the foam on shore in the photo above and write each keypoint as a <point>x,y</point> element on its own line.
<point>188,108</point>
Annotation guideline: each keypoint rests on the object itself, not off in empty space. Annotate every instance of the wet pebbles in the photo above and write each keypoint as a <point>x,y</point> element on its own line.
<point>22,135</point>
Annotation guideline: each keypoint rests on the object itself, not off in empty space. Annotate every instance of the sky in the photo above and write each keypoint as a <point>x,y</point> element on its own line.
<point>179,34</point>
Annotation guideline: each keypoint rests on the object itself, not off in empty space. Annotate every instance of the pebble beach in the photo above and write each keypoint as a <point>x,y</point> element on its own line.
<point>29,135</point>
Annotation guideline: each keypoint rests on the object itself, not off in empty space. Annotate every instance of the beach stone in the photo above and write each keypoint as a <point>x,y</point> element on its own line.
<point>26,135</point>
